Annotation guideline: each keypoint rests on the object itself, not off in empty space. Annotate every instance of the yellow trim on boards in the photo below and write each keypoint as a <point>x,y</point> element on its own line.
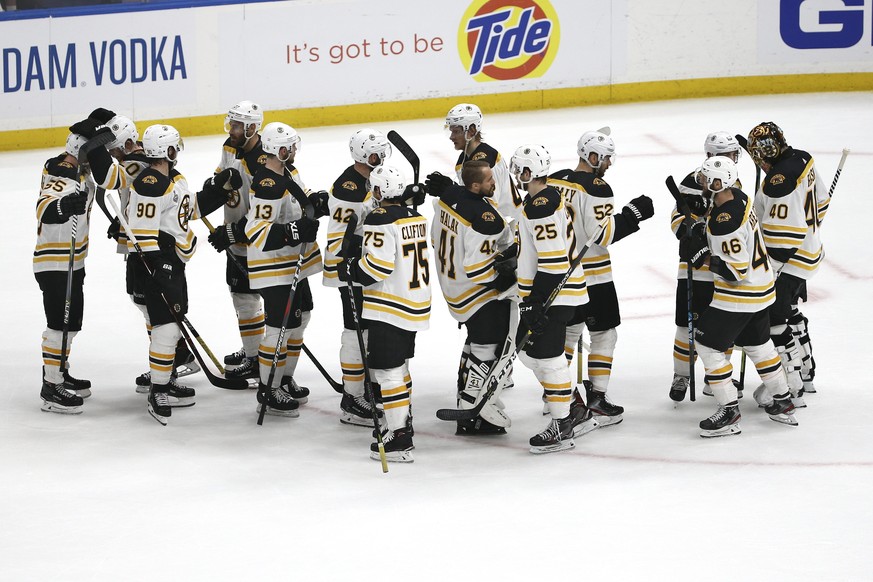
<point>24,139</point>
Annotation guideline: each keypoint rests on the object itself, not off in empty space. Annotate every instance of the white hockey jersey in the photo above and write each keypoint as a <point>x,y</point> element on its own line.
<point>120,177</point>
<point>506,197</point>
<point>350,194</point>
<point>248,164</point>
<point>395,256</point>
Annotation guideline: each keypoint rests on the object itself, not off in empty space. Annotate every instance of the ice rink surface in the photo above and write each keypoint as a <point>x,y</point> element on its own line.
<point>112,495</point>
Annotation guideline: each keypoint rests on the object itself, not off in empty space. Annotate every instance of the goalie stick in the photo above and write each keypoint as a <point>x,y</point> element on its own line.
<point>181,320</point>
<point>507,355</point>
<point>368,384</point>
<point>683,207</point>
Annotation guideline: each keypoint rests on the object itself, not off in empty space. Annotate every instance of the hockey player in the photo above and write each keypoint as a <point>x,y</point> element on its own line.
<point>730,242</point>
<point>64,194</point>
<point>718,143</point>
<point>589,201</point>
<point>464,125</point>
<point>791,203</point>
<point>282,249</point>
<point>394,271</point>
<point>542,263</point>
<point>242,151</point>
<point>476,253</point>
<point>349,195</point>
<point>160,208</point>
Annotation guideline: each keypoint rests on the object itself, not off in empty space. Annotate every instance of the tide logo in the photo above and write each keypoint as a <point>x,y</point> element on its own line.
<point>503,40</point>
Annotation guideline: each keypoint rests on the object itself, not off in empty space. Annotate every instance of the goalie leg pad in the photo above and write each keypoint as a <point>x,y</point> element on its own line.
<point>474,389</point>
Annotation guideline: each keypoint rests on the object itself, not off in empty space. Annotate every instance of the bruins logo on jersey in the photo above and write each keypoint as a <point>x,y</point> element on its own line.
<point>379,210</point>
<point>65,165</point>
<point>540,201</point>
<point>184,210</point>
<point>233,199</point>
<point>723,217</point>
<point>599,182</point>
<point>267,183</point>
<point>488,217</point>
<point>479,156</point>
<point>349,185</point>
<point>150,180</point>
<point>262,159</point>
<point>777,179</point>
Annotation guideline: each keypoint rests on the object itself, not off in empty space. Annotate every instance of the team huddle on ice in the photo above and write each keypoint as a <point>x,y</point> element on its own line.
<point>520,251</point>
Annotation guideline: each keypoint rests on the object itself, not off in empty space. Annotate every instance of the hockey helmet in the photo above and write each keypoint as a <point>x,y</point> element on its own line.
<point>277,135</point>
<point>766,142</point>
<point>158,140</point>
<point>719,168</point>
<point>598,143</point>
<point>536,158</point>
<point>366,142</point>
<point>389,180</point>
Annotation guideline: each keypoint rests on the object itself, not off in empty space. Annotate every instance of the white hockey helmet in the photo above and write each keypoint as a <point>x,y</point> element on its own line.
<point>123,128</point>
<point>718,168</point>
<point>158,139</point>
<point>389,180</point>
<point>74,143</point>
<point>720,143</point>
<point>366,142</point>
<point>277,135</point>
<point>534,157</point>
<point>598,143</point>
<point>464,115</point>
<point>247,113</point>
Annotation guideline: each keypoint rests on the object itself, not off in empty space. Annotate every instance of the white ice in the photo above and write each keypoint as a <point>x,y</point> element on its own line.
<point>112,495</point>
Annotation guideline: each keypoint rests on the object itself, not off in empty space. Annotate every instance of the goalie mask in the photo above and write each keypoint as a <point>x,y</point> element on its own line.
<point>766,142</point>
<point>366,142</point>
<point>248,113</point>
<point>598,143</point>
<point>535,158</point>
<point>389,180</point>
<point>123,128</point>
<point>162,142</point>
<point>278,135</point>
<point>718,173</point>
<point>721,143</point>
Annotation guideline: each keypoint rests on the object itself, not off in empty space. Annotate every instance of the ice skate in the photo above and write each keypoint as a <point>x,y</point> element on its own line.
<point>236,358</point>
<point>356,411</point>
<point>56,398</point>
<point>297,392</point>
<point>159,403</point>
<point>781,410</point>
<point>398,446</point>
<point>248,369</point>
<point>558,436</point>
<point>583,420</point>
<point>604,411</point>
<point>724,422</point>
<point>278,402</point>
<point>679,387</point>
<point>180,396</point>
<point>78,387</point>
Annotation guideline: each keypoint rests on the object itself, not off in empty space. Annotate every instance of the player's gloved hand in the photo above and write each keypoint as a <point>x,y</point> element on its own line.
<point>229,179</point>
<point>72,204</point>
<point>226,235</point>
<point>114,230</point>
<point>347,270</point>
<point>416,193</point>
<point>697,203</point>
<point>319,203</point>
<point>685,248</point>
<point>102,115</point>
<point>437,184</point>
<point>510,252</point>
<point>638,209</point>
<point>301,230</point>
<point>698,246</point>
<point>88,128</point>
<point>534,316</point>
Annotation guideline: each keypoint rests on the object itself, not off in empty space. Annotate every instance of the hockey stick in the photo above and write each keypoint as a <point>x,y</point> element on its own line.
<point>408,153</point>
<point>232,256</point>
<point>338,387</point>
<point>742,383</point>
<point>501,367</point>
<point>368,385</point>
<point>181,320</point>
<point>682,205</point>
<point>838,172</point>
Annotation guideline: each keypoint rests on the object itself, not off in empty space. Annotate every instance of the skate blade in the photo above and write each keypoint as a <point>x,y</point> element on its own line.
<point>276,412</point>
<point>564,445</point>
<point>394,456</point>
<point>352,420</point>
<point>585,427</point>
<point>784,419</point>
<point>187,369</point>
<point>161,419</point>
<point>59,409</point>
<point>604,421</point>
<point>181,402</point>
<point>82,393</point>
<point>726,431</point>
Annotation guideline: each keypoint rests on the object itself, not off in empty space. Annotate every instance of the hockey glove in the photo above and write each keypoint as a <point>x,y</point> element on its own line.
<point>88,128</point>
<point>114,230</point>
<point>534,317</point>
<point>685,249</point>
<point>416,193</point>
<point>102,115</point>
<point>505,264</point>
<point>699,246</point>
<point>301,230</point>
<point>229,179</point>
<point>319,203</point>
<point>437,184</point>
<point>638,209</point>
<point>226,235</point>
<point>72,204</point>
<point>348,270</point>
<point>697,203</point>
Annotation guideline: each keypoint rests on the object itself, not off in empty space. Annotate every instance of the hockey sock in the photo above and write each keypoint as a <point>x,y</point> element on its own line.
<point>770,368</point>
<point>554,375</point>
<point>295,340</point>
<point>352,363</point>
<point>395,396</point>
<point>266,353</point>
<point>574,332</point>
<point>250,319</point>
<point>162,351</point>
<point>51,355</point>
<point>718,374</point>
<point>681,350</point>
<point>600,358</point>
